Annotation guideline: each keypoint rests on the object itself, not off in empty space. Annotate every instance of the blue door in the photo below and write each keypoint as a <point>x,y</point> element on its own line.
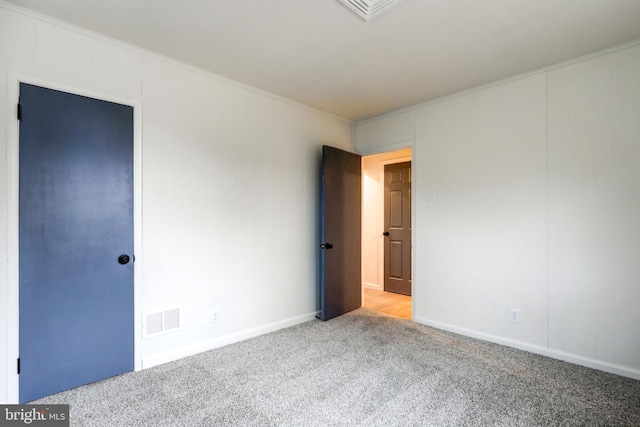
<point>76,241</point>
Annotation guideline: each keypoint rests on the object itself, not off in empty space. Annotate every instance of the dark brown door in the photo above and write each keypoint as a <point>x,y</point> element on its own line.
<point>340,254</point>
<point>397,228</point>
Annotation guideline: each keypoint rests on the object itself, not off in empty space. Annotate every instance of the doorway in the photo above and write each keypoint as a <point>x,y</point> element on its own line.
<point>373,239</point>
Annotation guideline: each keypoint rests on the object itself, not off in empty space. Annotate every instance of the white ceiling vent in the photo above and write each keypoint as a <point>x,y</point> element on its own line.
<point>367,9</point>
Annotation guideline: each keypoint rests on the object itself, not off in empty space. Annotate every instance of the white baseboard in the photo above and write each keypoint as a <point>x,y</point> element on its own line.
<point>576,359</point>
<point>182,352</point>
<point>372,286</point>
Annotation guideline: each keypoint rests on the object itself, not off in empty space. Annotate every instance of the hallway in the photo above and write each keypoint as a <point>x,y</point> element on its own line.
<point>388,303</point>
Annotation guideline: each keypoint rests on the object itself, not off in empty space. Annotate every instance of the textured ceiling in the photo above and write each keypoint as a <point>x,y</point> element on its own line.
<point>321,54</point>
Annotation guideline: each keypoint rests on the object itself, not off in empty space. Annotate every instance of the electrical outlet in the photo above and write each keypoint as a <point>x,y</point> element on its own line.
<point>514,315</point>
<point>215,315</point>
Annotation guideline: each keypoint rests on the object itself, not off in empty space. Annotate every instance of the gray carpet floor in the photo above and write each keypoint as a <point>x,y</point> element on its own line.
<point>360,369</point>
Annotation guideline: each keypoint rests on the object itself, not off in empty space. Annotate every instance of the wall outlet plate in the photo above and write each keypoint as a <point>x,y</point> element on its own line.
<point>215,315</point>
<point>514,315</point>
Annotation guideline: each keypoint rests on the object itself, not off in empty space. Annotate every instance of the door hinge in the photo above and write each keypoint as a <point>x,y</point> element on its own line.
<point>18,366</point>
<point>19,111</point>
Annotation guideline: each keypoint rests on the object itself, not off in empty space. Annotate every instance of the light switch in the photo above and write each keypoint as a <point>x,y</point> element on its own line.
<point>432,200</point>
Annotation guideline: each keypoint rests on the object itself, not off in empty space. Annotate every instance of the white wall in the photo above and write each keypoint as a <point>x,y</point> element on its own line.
<point>594,208</point>
<point>537,182</point>
<point>228,201</point>
<point>373,214</point>
<point>393,132</point>
<point>483,157</point>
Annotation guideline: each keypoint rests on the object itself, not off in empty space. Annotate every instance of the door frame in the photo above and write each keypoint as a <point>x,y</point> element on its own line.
<point>11,295</point>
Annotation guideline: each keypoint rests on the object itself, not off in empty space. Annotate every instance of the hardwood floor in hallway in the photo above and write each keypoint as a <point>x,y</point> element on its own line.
<point>388,303</point>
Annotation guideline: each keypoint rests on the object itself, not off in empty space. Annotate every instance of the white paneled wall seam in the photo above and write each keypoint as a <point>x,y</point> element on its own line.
<point>546,138</point>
